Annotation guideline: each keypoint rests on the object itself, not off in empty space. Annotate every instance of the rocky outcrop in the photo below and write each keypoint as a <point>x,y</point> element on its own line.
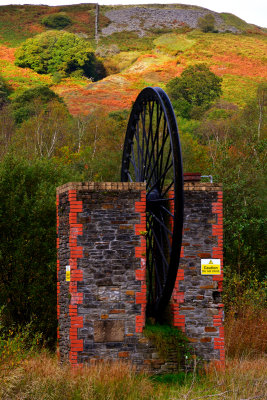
<point>143,19</point>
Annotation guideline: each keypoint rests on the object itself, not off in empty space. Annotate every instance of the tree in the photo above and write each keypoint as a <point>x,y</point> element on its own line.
<point>262,103</point>
<point>7,129</point>
<point>54,51</point>
<point>28,242</point>
<point>194,91</point>
<point>29,102</point>
<point>56,21</point>
<point>4,92</point>
<point>195,155</point>
<point>237,148</point>
<point>206,23</point>
<point>96,145</point>
<point>45,132</point>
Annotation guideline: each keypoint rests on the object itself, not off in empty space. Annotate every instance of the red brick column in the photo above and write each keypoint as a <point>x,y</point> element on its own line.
<point>217,230</point>
<point>140,252</point>
<point>58,283</point>
<point>217,252</point>
<point>76,275</point>
<point>177,296</point>
<point>177,300</point>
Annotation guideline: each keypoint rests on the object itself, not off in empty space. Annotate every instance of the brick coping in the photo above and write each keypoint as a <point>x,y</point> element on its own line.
<point>205,186</point>
<point>130,186</point>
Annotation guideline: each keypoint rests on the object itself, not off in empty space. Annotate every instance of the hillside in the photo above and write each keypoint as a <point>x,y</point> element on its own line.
<point>139,46</point>
<point>46,142</point>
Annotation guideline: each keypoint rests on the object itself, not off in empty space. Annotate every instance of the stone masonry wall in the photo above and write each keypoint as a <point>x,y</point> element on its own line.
<point>197,306</point>
<point>102,300</point>
<point>101,309</point>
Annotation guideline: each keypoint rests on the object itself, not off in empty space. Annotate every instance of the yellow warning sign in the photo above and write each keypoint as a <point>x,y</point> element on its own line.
<point>210,266</point>
<point>67,273</point>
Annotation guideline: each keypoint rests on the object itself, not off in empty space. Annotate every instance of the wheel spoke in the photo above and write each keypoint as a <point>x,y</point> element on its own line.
<point>167,236</point>
<point>140,155</point>
<point>160,222</point>
<point>166,169</point>
<point>129,176</point>
<point>164,140</point>
<point>160,157</point>
<point>152,155</point>
<point>132,160</point>
<point>166,209</point>
<point>168,188</point>
<point>165,229</point>
<point>159,248</point>
<point>154,141</point>
<point>160,178</point>
<point>150,137</point>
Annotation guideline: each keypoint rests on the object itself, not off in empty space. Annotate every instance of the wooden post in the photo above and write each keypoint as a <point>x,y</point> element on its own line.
<point>96,21</point>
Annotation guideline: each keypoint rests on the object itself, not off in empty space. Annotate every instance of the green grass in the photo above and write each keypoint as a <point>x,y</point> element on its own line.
<point>128,41</point>
<point>13,35</point>
<point>180,378</point>
<point>172,43</point>
<point>21,79</point>
<point>169,342</point>
<point>239,89</point>
<point>233,20</point>
<point>18,23</point>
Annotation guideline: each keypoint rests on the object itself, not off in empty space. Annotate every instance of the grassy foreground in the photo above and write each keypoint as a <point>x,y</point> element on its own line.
<point>41,377</point>
<point>26,372</point>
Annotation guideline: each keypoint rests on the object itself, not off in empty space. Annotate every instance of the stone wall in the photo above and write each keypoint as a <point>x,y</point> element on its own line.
<point>101,306</point>
<point>197,306</point>
<point>101,301</point>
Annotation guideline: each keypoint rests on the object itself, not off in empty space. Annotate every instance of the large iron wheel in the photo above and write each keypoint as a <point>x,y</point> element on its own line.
<point>152,154</point>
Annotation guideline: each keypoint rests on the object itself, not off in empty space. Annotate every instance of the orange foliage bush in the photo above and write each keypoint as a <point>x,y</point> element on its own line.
<point>7,53</point>
<point>238,65</point>
<point>35,28</point>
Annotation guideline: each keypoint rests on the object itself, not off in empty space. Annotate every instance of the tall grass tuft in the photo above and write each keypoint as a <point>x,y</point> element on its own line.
<point>246,333</point>
<point>241,379</point>
<point>41,377</point>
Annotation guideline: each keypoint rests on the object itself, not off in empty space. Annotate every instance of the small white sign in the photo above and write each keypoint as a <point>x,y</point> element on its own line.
<point>210,266</point>
<point>67,273</point>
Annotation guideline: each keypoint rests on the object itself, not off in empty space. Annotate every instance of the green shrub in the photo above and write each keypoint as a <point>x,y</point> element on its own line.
<point>63,52</point>
<point>4,92</point>
<point>56,78</point>
<point>28,243</point>
<point>193,92</point>
<point>18,343</point>
<point>206,23</point>
<point>24,104</point>
<point>56,21</point>
<point>170,343</point>
<point>237,146</point>
<point>244,291</point>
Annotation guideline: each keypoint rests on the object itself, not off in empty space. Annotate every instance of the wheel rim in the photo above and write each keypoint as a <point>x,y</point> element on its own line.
<point>152,154</point>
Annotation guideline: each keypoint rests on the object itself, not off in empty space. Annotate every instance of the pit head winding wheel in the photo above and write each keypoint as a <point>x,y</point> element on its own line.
<point>152,154</point>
